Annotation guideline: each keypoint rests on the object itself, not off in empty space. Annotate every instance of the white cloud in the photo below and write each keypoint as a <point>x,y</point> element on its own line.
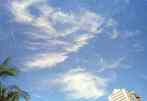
<point>20,12</point>
<point>111,29</point>
<point>111,23</point>
<point>50,18</point>
<point>58,34</point>
<point>79,42</point>
<point>91,22</point>
<point>45,60</point>
<point>55,31</point>
<point>104,64</point>
<point>115,34</point>
<point>80,84</point>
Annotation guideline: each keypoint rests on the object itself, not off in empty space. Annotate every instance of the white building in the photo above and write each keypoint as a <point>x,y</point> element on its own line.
<point>123,95</point>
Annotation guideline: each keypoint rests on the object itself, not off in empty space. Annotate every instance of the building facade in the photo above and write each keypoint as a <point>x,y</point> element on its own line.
<point>123,95</point>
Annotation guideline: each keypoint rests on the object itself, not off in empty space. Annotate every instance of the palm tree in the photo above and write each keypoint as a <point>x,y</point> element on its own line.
<point>12,93</point>
<point>5,70</point>
<point>3,91</point>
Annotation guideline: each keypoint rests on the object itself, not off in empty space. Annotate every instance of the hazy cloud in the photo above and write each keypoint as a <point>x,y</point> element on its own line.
<point>79,83</point>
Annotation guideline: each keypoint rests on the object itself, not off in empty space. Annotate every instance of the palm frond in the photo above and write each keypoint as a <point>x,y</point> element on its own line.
<point>20,92</point>
<point>6,71</point>
<point>6,61</point>
<point>11,93</point>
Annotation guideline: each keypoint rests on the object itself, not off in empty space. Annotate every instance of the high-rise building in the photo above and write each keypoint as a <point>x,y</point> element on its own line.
<point>123,95</point>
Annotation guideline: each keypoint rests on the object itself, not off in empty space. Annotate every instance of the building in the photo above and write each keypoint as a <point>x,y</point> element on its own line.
<point>123,95</point>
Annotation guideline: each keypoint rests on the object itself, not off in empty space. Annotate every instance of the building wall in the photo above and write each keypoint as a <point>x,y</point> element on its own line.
<point>123,95</point>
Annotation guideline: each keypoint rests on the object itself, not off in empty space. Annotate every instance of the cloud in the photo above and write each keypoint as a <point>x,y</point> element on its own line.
<point>45,60</point>
<point>111,28</point>
<point>115,34</point>
<point>79,42</point>
<point>105,64</point>
<point>50,18</point>
<point>81,84</point>
<point>57,31</point>
<point>55,34</point>
<point>20,12</point>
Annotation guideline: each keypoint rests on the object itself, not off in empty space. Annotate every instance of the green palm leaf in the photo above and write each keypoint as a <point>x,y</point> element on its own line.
<point>5,70</point>
<point>12,93</point>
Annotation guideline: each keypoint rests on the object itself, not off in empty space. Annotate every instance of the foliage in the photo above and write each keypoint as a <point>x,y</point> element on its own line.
<point>5,70</point>
<point>11,93</point>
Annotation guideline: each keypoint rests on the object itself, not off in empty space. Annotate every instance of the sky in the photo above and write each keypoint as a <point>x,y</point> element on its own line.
<point>75,50</point>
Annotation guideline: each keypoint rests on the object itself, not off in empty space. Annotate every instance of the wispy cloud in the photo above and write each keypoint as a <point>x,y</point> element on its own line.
<point>45,60</point>
<point>81,84</point>
<point>106,64</point>
<point>79,42</point>
<point>51,19</point>
<point>20,12</point>
<point>56,34</point>
<point>111,28</point>
<point>55,31</point>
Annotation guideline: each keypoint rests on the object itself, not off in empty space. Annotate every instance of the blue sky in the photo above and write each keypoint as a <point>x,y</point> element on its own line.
<point>77,50</point>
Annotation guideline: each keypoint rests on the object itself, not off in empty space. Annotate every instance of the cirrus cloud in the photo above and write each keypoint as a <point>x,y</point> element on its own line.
<point>55,31</point>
